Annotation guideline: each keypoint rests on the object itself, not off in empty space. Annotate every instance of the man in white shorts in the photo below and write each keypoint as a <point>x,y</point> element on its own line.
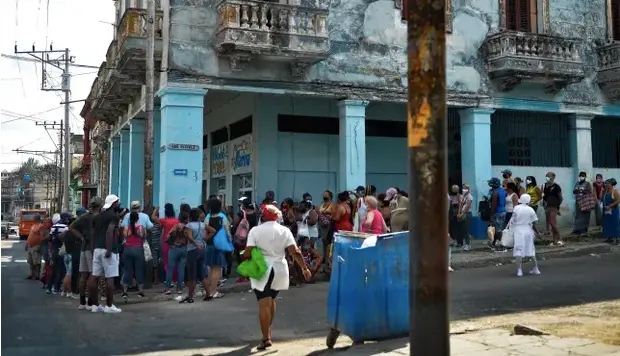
<point>105,254</point>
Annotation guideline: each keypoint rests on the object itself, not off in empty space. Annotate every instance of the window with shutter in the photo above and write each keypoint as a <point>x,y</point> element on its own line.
<point>520,15</point>
<point>615,19</point>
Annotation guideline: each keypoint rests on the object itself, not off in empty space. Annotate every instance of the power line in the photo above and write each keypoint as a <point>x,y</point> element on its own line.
<point>18,58</point>
<point>26,117</point>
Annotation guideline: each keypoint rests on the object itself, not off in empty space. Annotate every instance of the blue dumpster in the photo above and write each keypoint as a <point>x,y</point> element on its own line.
<point>369,288</point>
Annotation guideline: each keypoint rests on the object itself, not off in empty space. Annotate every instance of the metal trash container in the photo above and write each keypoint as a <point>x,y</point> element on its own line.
<point>369,287</point>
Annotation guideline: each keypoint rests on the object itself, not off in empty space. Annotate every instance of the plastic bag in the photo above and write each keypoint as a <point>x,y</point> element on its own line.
<point>148,254</point>
<point>508,239</point>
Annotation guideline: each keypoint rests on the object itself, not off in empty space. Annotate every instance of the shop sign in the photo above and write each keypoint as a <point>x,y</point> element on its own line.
<point>219,160</point>
<point>241,161</point>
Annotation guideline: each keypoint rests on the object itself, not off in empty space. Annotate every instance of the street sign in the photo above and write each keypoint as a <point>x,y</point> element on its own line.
<point>183,147</point>
<point>180,172</point>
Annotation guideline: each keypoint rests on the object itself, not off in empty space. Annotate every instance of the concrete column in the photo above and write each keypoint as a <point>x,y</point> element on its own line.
<point>265,132</point>
<point>580,143</point>
<point>476,151</point>
<point>136,161</point>
<point>156,155</point>
<point>352,139</point>
<point>115,155</point>
<point>123,175</point>
<point>180,167</point>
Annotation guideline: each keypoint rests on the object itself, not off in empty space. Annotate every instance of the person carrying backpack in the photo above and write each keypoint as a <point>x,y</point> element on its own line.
<point>57,253</point>
<point>218,236</point>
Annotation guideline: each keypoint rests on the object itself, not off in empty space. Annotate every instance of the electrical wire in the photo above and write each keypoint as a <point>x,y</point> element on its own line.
<point>29,143</point>
<point>51,138</point>
<point>27,59</point>
<point>25,117</point>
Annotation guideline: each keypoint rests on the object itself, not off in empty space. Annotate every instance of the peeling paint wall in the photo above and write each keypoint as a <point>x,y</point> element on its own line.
<point>368,41</point>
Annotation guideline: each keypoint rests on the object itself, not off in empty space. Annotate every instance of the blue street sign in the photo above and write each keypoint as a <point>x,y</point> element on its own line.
<point>27,177</point>
<point>180,172</point>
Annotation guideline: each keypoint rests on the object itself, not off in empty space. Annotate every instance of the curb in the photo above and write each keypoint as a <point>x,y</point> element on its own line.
<point>565,252</point>
<point>506,258</point>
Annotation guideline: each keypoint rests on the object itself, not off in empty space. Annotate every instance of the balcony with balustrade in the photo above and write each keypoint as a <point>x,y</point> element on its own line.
<point>516,57</point>
<point>262,30</point>
<point>608,77</point>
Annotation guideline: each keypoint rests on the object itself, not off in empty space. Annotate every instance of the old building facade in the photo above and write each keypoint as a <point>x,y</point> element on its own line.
<point>308,95</point>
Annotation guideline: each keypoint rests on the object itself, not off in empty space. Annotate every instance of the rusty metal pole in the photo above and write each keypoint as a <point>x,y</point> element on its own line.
<point>428,179</point>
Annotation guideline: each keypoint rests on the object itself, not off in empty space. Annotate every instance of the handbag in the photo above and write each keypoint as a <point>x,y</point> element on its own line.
<point>222,240</point>
<point>148,254</point>
<point>587,202</point>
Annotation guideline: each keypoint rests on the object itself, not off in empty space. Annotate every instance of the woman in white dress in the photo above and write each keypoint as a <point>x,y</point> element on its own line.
<point>523,228</point>
<point>273,240</point>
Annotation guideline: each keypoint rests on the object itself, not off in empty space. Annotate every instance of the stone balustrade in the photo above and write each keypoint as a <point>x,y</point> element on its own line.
<point>609,69</point>
<point>553,61</point>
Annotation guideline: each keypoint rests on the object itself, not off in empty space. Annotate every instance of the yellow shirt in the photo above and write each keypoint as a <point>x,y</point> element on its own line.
<point>534,192</point>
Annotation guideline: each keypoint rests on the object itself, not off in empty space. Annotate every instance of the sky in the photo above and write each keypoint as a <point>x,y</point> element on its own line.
<point>84,27</point>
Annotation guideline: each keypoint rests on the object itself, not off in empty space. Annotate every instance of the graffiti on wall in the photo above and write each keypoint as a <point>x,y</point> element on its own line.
<point>219,160</point>
<point>242,155</point>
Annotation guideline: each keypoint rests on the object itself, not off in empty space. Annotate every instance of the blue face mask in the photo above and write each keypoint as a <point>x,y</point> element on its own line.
<point>307,247</point>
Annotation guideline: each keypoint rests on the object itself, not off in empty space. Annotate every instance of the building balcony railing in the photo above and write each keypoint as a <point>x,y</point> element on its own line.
<point>133,25</point>
<point>283,32</point>
<point>609,69</point>
<point>514,57</point>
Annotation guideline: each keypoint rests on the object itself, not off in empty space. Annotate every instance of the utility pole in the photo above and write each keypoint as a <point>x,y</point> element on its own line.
<point>149,105</point>
<point>428,179</point>
<point>57,172</point>
<point>44,57</point>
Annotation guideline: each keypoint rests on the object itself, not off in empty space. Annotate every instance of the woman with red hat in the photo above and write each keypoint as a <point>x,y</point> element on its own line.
<point>273,240</point>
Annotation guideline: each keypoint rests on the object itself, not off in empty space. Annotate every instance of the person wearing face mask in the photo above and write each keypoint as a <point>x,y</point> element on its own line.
<point>462,217</point>
<point>599,190</point>
<point>552,199</point>
<point>520,188</point>
<point>507,178</point>
<point>585,202</point>
<point>533,190</point>
<point>307,225</point>
<point>326,211</point>
<point>399,210</point>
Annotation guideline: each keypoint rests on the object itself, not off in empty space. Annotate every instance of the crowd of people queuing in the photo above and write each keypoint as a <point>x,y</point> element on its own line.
<point>108,247</point>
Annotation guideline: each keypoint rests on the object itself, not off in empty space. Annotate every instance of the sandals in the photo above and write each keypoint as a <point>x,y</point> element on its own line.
<point>264,344</point>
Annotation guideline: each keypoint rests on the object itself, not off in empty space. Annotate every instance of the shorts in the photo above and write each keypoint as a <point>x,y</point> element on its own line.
<point>105,267</point>
<point>34,255</point>
<point>67,260</point>
<point>195,264</point>
<point>267,291</point>
<point>86,262</point>
<point>499,220</point>
<point>215,257</point>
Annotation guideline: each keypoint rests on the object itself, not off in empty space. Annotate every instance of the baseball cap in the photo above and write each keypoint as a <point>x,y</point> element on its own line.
<point>95,202</point>
<point>80,211</point>
<point>390,193</point>
<point>109,200</point>
<point>55,218</point>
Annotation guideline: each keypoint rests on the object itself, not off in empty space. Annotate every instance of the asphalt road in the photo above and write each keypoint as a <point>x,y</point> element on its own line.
<point>36,323</point>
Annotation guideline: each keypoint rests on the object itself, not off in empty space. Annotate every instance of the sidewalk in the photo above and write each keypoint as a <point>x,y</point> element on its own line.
<point>495,342</point>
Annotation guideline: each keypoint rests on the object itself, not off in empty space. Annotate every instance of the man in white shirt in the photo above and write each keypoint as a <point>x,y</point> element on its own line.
<point>143,219</point>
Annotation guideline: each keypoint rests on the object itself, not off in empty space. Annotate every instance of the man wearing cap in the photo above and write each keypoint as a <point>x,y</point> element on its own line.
<point>497,196</point>
<point>82,229</point>
<point>56,240</point>
<point>143,219</point>
<point>105,253</point>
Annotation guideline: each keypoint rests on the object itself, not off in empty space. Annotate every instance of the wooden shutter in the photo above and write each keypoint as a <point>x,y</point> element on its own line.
<point>403,11</point>
<point>615,19</point>
<point>518,15</point>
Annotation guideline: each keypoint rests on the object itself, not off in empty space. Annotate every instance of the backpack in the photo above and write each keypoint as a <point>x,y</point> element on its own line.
<point>58,247</point>
<point>241,234</point>
<point>484,209</point>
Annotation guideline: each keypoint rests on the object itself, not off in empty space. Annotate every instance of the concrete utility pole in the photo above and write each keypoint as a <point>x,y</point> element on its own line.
<point>66,87</point>
<point>149,140</point>
<point>44,57</point>
<point>428,210</point>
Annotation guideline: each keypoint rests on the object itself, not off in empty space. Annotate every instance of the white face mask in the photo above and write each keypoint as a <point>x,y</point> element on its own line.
<point>548,179</point>
<point>528,181</point>
<point>581,179</point>
<point>465,191</point>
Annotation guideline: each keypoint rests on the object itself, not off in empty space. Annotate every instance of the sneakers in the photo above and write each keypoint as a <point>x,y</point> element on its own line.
<point>96,308</point>
<point>112,309</point>
<point>124,295</point>
<point>519,272</point>
<point>466,248</point>
<point>450,269</point>
<point>140,295</point>
<point>167,291</point>
<point>62,294</point>
<point>535,271</point>
<point>83,307</point>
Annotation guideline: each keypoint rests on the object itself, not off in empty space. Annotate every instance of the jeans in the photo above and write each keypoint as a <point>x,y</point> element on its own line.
<point>75,270</point>
<point>177,256</point>
<point>58,273</point>
<point>133,261</point>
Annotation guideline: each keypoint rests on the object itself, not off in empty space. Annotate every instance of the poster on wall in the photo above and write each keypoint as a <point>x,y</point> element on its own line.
<point>205,164</point>
<point>242,155</point>
<point>219,160</point>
